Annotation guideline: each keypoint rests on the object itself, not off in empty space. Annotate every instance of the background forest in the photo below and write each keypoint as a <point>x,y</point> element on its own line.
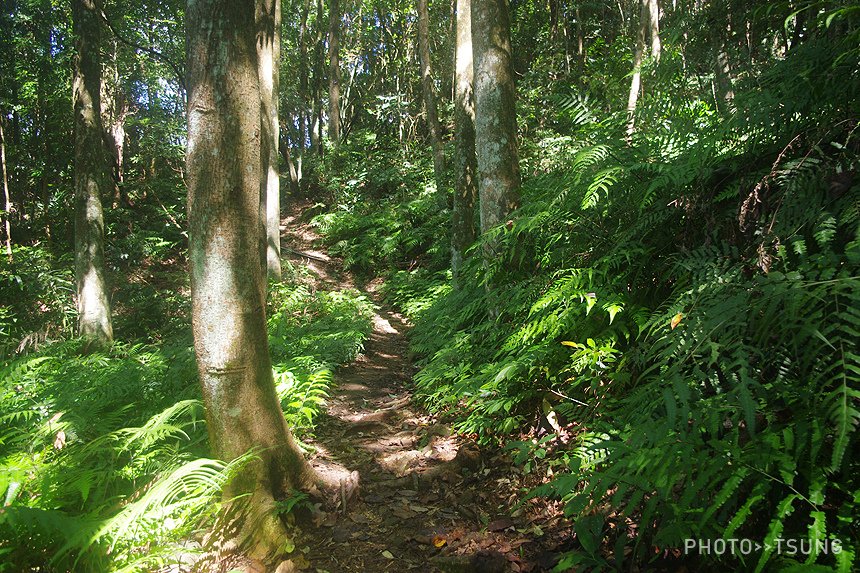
<point>662,325</point>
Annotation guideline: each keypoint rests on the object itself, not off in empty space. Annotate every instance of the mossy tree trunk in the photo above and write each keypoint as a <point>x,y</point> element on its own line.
<point>465,163</point>
<point>430,106</point>
<point>268,67</point>
<point>92,177</point>
<point>227,279</point>
<point>495,114</point>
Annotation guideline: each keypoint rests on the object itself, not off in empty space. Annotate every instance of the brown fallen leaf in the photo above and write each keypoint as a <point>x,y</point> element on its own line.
<point>676,320</point>
<point>500,524</point>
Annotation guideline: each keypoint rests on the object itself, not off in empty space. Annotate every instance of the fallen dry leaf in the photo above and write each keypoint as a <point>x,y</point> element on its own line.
<point>500,524</point>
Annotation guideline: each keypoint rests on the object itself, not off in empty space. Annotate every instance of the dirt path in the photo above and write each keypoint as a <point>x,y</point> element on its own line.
<point>428,501</point>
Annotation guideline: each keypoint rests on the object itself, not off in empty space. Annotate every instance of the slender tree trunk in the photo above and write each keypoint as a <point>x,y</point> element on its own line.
<point>304,111</point>
<point>268,21</point>
<point>580,45</point>
<point>227,285</point>
<point>7,223</point>
<point>334,72</point>
<point>465,189</point>
<point>291,166</point>
<point>654,24</point>
<point>722,63</point>
<point>723,69</point>
<point>44,71</point>
<point>495,115</point>
<point>430,102</point>
<point>91,178</point>
<point>114,110</point>
<point>316,127</point>
<point>636,80</point>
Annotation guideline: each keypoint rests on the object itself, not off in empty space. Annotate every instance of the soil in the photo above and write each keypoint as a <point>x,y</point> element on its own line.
<point>429,500</point>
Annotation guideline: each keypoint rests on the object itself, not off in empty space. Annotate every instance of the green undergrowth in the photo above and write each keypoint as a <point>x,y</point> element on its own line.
<point>102,454</point>
<point>311,332</point>
<point>675,320</point>
<point>385,214</point>
<point>104,462</point>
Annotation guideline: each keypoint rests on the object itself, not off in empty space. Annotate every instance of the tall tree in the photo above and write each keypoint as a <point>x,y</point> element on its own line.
<point>268,16</point>
<point>7,205</point>
<point>228,285</point>
<point>636,78</point>
<point>334,72</point>
<point>465,187</point>
<point>430,101</point>
<point>649,22</point>
<point>304,119</point>
<point>654,27</point>
<point>114,109</point>
<point>319,63</point>
<point>91,177</point>
<point>495,113</point>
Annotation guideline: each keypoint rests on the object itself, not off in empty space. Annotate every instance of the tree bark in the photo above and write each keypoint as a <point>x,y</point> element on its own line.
<point>114,110</point>
<point>319,63</point>
<point>91,177</point>
<point>636,80</point>
<point>304,112</point>
<point>580,45</point>
<point>495,115</point>
<point>7,223</point>
<point>654,24</point>
<point>430,102</point>
<point>227,285</point>
<point>465,188</point>
<point>334,72</point>
<point>268,21</point>
<point>723,73</point>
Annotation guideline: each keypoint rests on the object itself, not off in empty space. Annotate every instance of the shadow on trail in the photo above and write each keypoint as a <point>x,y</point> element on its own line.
<point>428,500</point>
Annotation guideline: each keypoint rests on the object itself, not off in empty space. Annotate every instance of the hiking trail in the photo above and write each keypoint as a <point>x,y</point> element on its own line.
<point>428,500</point>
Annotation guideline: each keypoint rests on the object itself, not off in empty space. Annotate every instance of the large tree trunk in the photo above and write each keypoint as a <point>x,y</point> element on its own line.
<point>334,72</point>
<point>495,114</point>
<point>227,278</point>
<point>465,187</point>
<point>430,102</point>
<point>636,80</point>
<point>91,177</point>
<point>268,59</point>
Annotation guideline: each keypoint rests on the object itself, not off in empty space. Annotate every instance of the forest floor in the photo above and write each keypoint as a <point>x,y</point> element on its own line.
<point>429,500</point>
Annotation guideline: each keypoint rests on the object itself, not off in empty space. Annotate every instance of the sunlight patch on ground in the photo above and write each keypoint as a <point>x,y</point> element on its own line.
<point>382,325</point>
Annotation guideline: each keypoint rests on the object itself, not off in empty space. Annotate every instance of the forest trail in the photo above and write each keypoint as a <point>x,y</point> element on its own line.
<point>428,501</point>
